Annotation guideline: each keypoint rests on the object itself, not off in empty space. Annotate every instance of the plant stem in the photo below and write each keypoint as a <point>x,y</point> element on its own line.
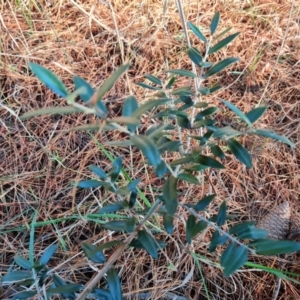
<point>217,228</point>
<point>116,255</point>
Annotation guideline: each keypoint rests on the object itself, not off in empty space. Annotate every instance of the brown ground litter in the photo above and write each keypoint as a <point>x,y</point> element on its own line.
<point>38,162</point>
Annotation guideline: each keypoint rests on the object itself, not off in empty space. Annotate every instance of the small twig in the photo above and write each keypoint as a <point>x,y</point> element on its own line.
<point>116,255</point>
<point>217,228</point>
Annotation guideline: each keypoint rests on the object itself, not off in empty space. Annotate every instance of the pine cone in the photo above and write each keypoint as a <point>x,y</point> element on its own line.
<point>277,222</point>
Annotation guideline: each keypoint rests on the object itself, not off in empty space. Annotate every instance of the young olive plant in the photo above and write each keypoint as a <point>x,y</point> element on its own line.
<point>182,116</point>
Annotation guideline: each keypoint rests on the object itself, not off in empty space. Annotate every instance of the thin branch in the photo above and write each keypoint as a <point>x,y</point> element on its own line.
<point>116,255</point>
<point>217,228</point>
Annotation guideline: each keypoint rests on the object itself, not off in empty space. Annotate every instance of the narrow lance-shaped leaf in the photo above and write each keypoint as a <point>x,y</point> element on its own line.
<point>273,247</point>
<point>195,56</point>
<point>217,240</point>
<point>240,152</point>
<point>223,43</point>
<point>220,66</point>
<point>22,262</point>
<point>214,22</point>
<point>48,253</point>
<point>217,151</point>
<point>148,243</point>
<point>221,218</point>
<point>147,86</point>
<point>16,276</point>
<point>92,253</point>
<point>88,93</point>
<point>153,79</point>
<point>109,82</point>
<point>273,135</point>
<point>210,162</point>
<point>148,106</point>
<point>114,284</point>
<point>99,172</point>
<point>170,195</point>
<point>233,258</point>
<point>190,223</point>
<point>237,111</point>
<point>168,223</point>
<point>129,107</point>
<point>254,114</point>
<point>49,79</point>
<point>24,295</point>
<point>60,282</point>
<point>116,169</point>
<point>204,202</point>
<point>182,73</point>
<point>86,184</point>
<point>197,32</point>
<point>188,178</point>
<point>148,148</point>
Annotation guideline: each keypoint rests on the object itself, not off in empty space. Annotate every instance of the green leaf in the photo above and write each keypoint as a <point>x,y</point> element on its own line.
<point>24,295</point>
<point>171,82</point>
<point>16,276</point>
<point>148,243</point>
<point>193,228</point>
<point>220,66</point>
<point>204,202</point>
<point>223,43</point>
<point>102,294</point>
<point>182,73</point>
<point>93,254</point>
<point>147,86</point>
<point>109,82</point>
<point>169,146</point>
<point>49,79</point>
<point>86,184</point>
<point>62,110</point>
<point>68,288</point>
<point>170,195</point>
<point>272,247</point>
<point>148,106</point>
<point>226,133</point>
<point>107,245</point>
<point>217,151</point>
<point>148,148</point>
<point>273,135</point>
<point>88,93</point>
<point>161,169</point>
<point>237,112</point>
<point>214,89</point>
<point>240,152</point>
<point>153,79</point>
<point>209,162</point>
<point>203,123</point>
<point>101,110</point>
<point>111,208</point>
<point>240,228</point>
<point>203,91</point>
<point>129,107</point>
<point>254,114</point>
<point>221,218</point>
<point>47,255</point>
<point>137,244</point>
<point>201,105</point>
<point>116,169</point>
<point>168,223</point>
<point>197,32</point>
<point>217,240</point>
<point>183,122</point>
<point>233,258</point>
<point>253,233</point>
<point>190,223</point>
<point>214,22</point>
<point>115,225</point>
<point>99,172</point>
<point>22,262</point>
<point>206,112</point>
<point>130,224</point>
<point>188,178</point>
<point>114,284</point>
<point>195,56</point>
<point>184,91</point>
<point>59,282</point>
<point>184,160</point>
